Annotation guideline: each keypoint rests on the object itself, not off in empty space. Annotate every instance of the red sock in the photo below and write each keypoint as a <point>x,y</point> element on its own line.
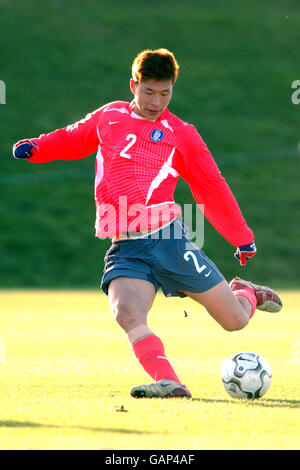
<point>150,353</point>
<point>248,293</point>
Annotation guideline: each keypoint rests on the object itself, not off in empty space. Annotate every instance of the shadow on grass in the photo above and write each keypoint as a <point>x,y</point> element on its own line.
<point>263,402</point>
<point>28,424</point>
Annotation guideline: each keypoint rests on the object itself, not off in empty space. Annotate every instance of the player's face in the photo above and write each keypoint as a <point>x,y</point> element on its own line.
<point>151,97</point>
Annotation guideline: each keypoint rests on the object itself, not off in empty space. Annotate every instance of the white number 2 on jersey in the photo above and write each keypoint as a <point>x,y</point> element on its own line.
<point>132,139</point>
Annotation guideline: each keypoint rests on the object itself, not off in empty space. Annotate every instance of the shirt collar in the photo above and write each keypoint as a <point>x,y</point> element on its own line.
<point>136,116</point>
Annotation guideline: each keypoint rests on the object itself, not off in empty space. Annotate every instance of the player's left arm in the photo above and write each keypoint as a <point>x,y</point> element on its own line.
<point>197,167</point>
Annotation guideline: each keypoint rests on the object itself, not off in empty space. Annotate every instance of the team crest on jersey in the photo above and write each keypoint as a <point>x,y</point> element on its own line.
<point>157,135</point>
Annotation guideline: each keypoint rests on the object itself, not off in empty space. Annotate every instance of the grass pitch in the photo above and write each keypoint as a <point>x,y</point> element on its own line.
<point>66,371</point>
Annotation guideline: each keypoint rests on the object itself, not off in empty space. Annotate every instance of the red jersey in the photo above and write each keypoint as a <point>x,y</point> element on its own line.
<point>138,164</point>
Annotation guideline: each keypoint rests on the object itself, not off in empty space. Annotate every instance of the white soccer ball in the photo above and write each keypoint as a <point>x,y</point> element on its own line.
<point>246,375</point>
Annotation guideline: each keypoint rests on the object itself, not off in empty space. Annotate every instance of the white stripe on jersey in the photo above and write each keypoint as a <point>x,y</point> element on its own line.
<point>163,173</point>
<point>167,125</point>
<point>99,160</point>
<point>160,204</point>
<point>120,110</point>
<point>99,173</point>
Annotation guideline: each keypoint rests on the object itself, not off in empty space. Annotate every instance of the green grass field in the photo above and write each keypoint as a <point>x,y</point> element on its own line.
<point>67,369</point>
<point>237,66</point>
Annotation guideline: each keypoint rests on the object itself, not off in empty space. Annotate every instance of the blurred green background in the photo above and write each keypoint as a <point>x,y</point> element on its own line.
<point>61,59</point>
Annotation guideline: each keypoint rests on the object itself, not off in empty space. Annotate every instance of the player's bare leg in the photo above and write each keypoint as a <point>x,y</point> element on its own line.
<point>232,305</point>
<point>130,301</point>
<point>230,312</point>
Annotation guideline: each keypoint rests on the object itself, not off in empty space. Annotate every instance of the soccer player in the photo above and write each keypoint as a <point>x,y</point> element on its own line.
<point>142,150</point>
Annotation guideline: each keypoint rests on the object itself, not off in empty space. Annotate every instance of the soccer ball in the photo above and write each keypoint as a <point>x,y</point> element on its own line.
<point>246,375</point>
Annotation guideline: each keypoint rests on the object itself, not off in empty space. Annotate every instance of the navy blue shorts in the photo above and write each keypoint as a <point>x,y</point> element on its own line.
<point>168,258</point>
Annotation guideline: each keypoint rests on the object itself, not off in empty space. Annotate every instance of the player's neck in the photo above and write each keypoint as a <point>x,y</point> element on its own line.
<point>138,116</point>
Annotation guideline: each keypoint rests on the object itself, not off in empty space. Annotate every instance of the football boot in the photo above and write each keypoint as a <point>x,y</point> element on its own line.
<point>161,389</point>
<point>267,299</point>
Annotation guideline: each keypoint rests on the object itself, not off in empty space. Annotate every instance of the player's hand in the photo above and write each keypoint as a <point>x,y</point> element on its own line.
<point>24,149</point>
<point>245,252</point>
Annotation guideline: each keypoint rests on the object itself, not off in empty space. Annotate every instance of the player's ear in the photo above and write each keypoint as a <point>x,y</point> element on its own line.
<point>132,84</point>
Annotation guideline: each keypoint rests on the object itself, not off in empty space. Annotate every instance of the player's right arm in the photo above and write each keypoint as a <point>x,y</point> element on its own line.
<point>75,141</point>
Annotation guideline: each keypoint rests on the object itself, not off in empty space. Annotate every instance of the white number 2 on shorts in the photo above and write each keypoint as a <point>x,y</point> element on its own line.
<point>189,254</point>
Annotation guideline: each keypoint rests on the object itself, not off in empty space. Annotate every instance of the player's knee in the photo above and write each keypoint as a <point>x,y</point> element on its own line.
<point>127,315</point>
<point>235,322</point>
<point>234,317</point>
